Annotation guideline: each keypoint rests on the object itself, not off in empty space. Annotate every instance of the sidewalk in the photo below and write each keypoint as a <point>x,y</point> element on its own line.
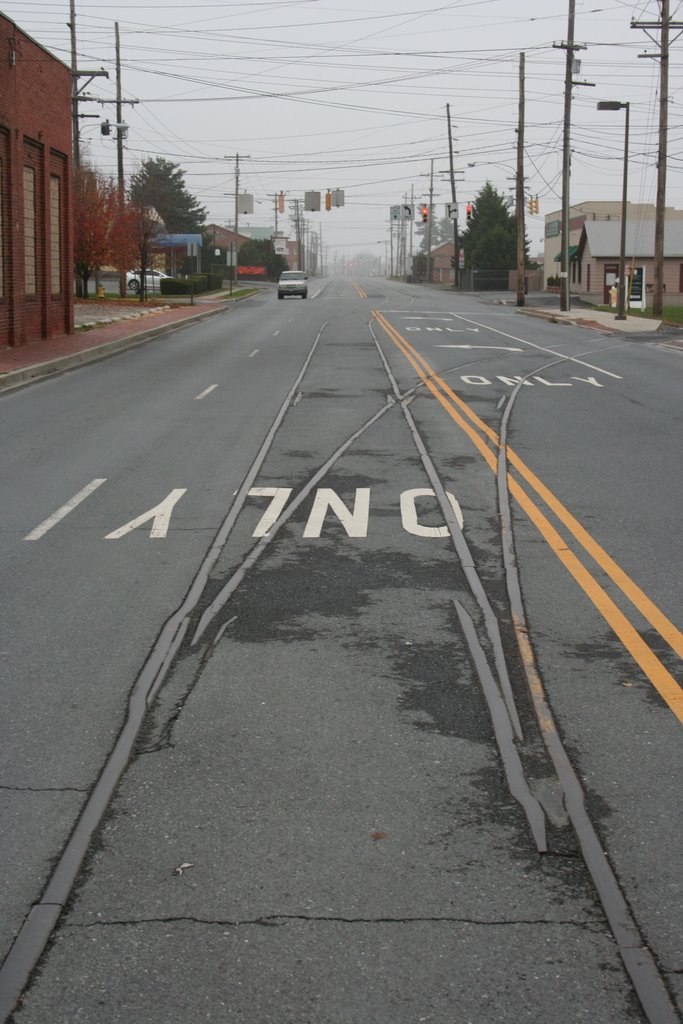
<point>127,328</point>
<point>595,319</point>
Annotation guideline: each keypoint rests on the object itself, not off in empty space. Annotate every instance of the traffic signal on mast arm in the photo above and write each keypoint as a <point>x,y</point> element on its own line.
<point>468,212</point>
<point>530,204</point>
<point>536,205</point>
<point>424,210</point>
<point>328,200</point>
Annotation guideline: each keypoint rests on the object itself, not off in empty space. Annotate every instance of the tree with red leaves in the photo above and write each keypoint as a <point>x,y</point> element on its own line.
<point>95,204</point>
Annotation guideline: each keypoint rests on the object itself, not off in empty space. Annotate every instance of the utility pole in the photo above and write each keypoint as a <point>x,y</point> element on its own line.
<point>119,145</point>
<point>119,116</point>
<point>412,221</point>
<point>76,95</point>
<point>456,241</point>
<point>665,24</point>
<point>75,127</point>
<point>565,301</point>
<point>237,207</point>
<point>297,226</point>
<point>237,214</point>
<point>391,248</point>
<point>570,67</point>
<point>521,262</point>
<point>429,223</point>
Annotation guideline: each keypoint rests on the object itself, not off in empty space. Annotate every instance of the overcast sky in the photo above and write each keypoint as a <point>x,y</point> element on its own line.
<point>318,94</point>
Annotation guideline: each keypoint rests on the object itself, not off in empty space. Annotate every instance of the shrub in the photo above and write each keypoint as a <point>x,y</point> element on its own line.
<point>184,285</point>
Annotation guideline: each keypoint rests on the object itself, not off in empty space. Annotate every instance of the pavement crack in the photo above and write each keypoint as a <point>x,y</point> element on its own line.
<point>280,920</point>
<point>42,789</point>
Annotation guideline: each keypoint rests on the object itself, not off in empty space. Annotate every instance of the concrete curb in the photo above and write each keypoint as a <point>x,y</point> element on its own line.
<point>28,374</point>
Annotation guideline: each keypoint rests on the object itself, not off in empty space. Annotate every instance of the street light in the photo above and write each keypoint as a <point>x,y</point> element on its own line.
<point>621,294</point>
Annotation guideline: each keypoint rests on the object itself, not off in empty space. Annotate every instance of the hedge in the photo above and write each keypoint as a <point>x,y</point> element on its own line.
<point>184,285</point>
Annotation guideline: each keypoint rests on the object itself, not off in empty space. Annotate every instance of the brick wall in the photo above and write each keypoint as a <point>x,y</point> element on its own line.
<point>36,293</point>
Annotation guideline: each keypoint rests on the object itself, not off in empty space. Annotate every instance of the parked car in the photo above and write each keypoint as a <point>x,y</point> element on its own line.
<point>153,280</point>
<point>292,282</point>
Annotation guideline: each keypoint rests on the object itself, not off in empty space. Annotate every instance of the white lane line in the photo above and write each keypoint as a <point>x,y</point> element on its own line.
<point>446,319</point>
<point>205,392</point>
<point>540,348</point>
<point>495,348</point>
<point>316,294</point>
<point>252,354</point>
<point>62,512</point>
<point>276,334</point>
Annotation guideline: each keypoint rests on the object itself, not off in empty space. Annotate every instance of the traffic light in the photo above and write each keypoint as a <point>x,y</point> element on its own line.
<point>468,211</point>
<point>281,203</point>
<point>530,204</point>
<point>424,210</point>
<point>536,205</point>
<point>105,128</point>
<point>328,200</point>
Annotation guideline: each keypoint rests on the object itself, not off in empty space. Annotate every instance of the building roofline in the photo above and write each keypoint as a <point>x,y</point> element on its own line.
<point>35,42</point>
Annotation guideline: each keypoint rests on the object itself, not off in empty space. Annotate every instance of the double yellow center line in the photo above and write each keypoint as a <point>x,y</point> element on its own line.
<point>480,433</point>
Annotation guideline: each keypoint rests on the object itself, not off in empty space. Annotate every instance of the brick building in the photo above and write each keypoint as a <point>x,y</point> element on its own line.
<point>36,266</point>
<point>440,259</point>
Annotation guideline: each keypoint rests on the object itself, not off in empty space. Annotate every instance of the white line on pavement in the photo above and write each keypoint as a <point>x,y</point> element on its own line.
<point>252,354</point>
<point>496,348</point>
<point>62,512</point>
<point>540,348</point>
<point>205,392</point>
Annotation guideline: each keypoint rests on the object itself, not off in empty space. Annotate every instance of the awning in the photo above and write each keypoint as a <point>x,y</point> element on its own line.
<point>573,249</point>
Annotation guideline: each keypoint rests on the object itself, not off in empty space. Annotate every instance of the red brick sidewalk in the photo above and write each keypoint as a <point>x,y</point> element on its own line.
<point>39,358</point>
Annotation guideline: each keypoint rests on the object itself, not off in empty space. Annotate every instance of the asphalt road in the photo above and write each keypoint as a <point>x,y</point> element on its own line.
<point>282,739</point>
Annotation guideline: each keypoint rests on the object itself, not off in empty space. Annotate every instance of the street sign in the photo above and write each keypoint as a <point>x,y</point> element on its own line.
<point>404,211</point>
<point>636,299</point>
<point>452,211</point>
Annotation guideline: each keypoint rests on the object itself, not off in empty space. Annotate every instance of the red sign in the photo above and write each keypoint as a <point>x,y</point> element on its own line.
<point>252,271</point>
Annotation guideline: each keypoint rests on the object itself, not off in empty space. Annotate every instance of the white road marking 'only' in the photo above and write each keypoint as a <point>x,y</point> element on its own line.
<point>355,520</point>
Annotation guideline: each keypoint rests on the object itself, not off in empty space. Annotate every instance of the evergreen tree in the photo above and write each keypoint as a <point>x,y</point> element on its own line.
<point>160,184</point>
<point>490,241</point>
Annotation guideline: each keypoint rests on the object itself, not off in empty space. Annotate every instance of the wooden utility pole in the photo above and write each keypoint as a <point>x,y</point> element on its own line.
<point>429,223</point>
<point>665,24</point>
<point>119,145</point>
<point>521,239</point>
<point>658,291</point>
<point>237,193</point>
<point>75,126</point>
<point>565,300</point>
<point>456,241</point>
